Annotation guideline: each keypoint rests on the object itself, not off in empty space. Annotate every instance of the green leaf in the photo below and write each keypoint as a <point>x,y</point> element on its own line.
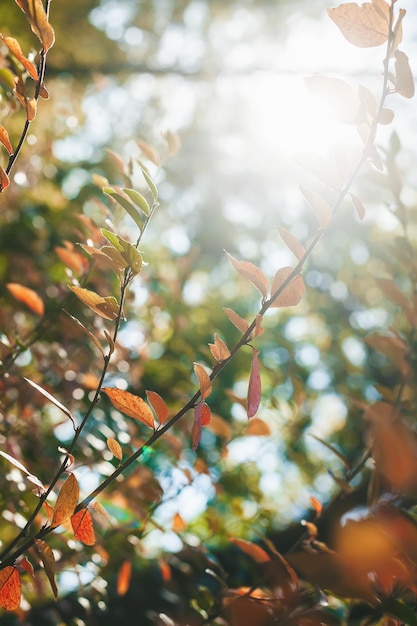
<point>138,199</point>
<point>126,204</point>
<point>151,184</point>
<point>114,239</point>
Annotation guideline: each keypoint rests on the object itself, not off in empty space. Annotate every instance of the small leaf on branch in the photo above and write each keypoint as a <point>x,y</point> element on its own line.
<point>4,179</point>
<point>203,380</point>
<point>48,561</point>
<point>27,296</point>
<point>364,26</point>
<point>319,205</point>
<point>83,528</point>
<point>149,152</point>
<point>26,565</point>
<point>219,349</point>
<point>33,479</point>
<point>152,187</point>
<point>385,116</point>
<point>357,203</point>
<point>240,323</point>
<point>159,405</point>
<point>258,554</point>
<point>138,200</point>
<point>404,80</point>
<point>16,50</point>
<point>115,448</point>
<point>293,291</point>
<point>35,13</point>
<point>4,139</point>
<point>202,417</point>
<point>131,405</point>
<point>254,388</point>
<point>66,502</point>
<point>102,306</point>
<point>83,329</point>
<point>252,273</point>
<point>292,242</point>
<point>130,208</point>
<point>9,588</point>
<point>123,578</point>
<point>51,398</point>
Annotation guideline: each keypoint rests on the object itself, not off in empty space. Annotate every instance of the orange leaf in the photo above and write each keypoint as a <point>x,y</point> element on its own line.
<point>123,578</point>
<point>257,428</point>
<point>4,139</point>
<point>317,505</point>
<point>292,242</point>
<point>27,296</point>
<point>4,179</point>
<point>66,502</point>
<point>292,292</point>
<point>203,380</point>
<point>363,26</point>
<point>131,405</point>
<point>35,13</point>
<point>158,405</point>
<point>236,320</point>
<point>82,525</point>
<point>9,588</point>
<point>115,448</point>
<point>219,349</point>
<point>178,524</point>
<point>319,205</point>
<point>48,561</point>
<point>16,50</point>
<point>257,553</point>
<point>72,259</point>
<point>254,388</point>
<point>252,273</point>
<point>104,307</point>
<point>27,566</point>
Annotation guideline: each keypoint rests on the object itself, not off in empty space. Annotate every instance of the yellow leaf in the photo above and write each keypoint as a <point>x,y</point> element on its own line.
<point>364,26</point>
<point>102,306</point>
<point>131,405</point>
<point>35,13</point>
<point>66,502</point>
<point>48,561</point>
<point>115,448</point>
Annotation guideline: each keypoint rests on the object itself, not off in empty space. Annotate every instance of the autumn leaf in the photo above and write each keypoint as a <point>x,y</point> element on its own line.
<point>292,293</point>
<point>219,349</point>
<point>105,307</point>
<point>27,566</point>
<point>319,205</point>
<point>364,26</point>
<point>203,380</point>
<point>51,398</point>
<point>33,479</point>
<point>123,578</point>
<point>158,405</point>
<point>48,561</point>
<point>82,525</point>
<point>254,388</point>
<point>404,80</point>
<point>252,273</point>
<point>71,258</point>
<point>35,13</point>
<point>115,448</point>
<point>149,152</point>
<point>66,502</point>
<point>178,523</point>
<point>9,588</point>
<point>27,296</point>
<point>240,323</point>
<point>292,242</point>
<point>83,329</point>
<point>4,179</point>
<point>257,553</point>
<point>16,50</point>
<point>257,428</point>
<point>202,417</point>
<point>131,405</point>
<point>4,139</point>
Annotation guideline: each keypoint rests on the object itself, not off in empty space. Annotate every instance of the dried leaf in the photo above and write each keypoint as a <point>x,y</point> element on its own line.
<point>35,13</point>
<point>158,405</point>
<point>4,179</point>
<point>82,525</point>
<point>240,323</point>
<point>292,242</point>
<point>257,428</point>
<point>102,306</point>
<point>364,26</point>
<point>404,81</point>
<point>115,448</point>
<point>219,349</point>
<point>254,388</point>
<point>72,259</point>
<point>319,205</point>
<point>258,554</point>
<point>27,296</point>
<point>123,578</point>
<point>16,50</point>
<point>131,405</point>
<point>292,292</point>
<point>48,561</point>
<point>203,380</point>
<point>9,588</point>
<point>252,273</point>
<point>357,203</point>
<point>66,502</point>
<point>4,139</point>
<point>51,398</point>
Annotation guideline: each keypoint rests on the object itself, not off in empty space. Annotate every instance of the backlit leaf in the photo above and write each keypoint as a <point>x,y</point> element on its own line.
<point>4,139</point>
<point>103,307</point>
<point>364,26</point>
<point>254,388</point>
<point>9,588</point>
<point>4,179</point>
<point>115,448</point>
<point>123,578</point>
<point>252,273</point>
<point>357,203</point>
<point>321,168</point>
<point>292,242</point>
<point>16,50</point>
<point>131,405</point>
<point>367,100</point>
<point>159,405</point>
<point>27,296</point>
<point>126,204</point>
<point>72,259</point>
<point>149,151</point>
<point>319,205</point>
<point>35,13</point>
<point>82,525</point>
<point>203,380</point>
<point>404,80</point>
<point>48,561</point>
<point>66,502</point>
<point>173,141</point>
<point>240,323</point>
<point>258,554</point>
<point>218,349</point>
<point>220,427</point>
<point>33,479</point>
<point>51,398</point>
<point>138,200</point>
<point>293,291</point>
<point>83,329</point>
<point>257,428</point>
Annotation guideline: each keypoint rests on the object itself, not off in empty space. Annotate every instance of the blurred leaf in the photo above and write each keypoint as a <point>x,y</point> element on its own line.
<point>257,428</point>
<point>51,398</point>
<point>320,207</point>
<point>131,405</point>
<point>4,179</point>
<point>149,152</point>
<point>9,588</point>
<point>123,578</point>
<point>254,387</point>
<point>292,242</point>
<point>83,329</point>
<point>404,80</point>
<point>4,139</point>
<point>358,204</point>
<point>27,296</point>
<point>256,553</point>
<point>340,97</point>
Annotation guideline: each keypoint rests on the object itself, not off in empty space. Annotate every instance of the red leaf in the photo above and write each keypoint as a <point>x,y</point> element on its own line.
<point>27,296</point>
<point>252,273</point>
<point>254,389</point>
<point>82,525</point>
<point>293,291</point>
<point>257,553</point>
<point>123,578</point>
<point>131,405</point>
<point>66,502</point>
<point>27,566</point>
<point>236,320</point>
<point>159,405</point>
<point>203,380</point>
<point>202,417</point>
<point>9,588</point>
